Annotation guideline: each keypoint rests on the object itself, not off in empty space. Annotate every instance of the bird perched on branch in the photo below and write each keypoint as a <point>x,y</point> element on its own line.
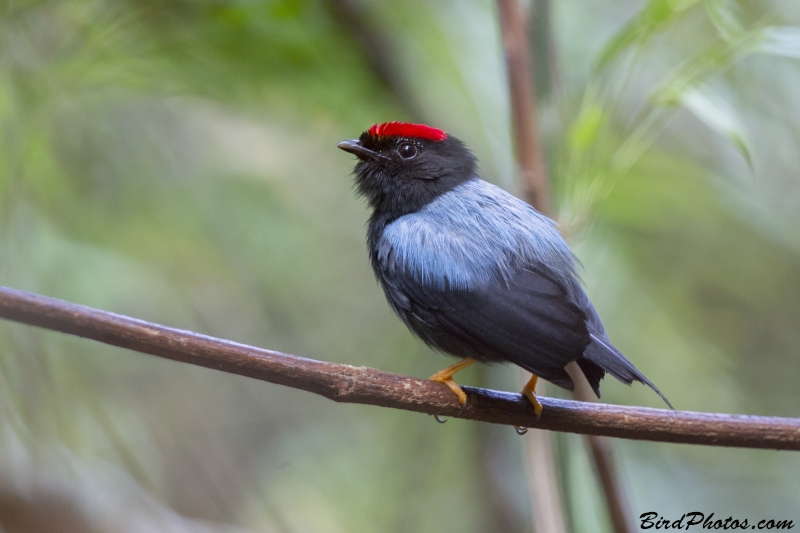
<point>472,270</point>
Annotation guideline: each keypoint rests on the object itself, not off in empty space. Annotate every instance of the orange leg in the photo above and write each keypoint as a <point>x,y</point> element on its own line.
<point>529,390</point>
<point>446,376</point>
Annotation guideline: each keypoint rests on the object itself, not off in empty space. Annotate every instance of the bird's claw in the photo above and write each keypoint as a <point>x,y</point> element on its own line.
<point>460,394</point>
<point>529,391</point>
<point>537,406</point>
<point>446,376</point>
<point>453,386</point>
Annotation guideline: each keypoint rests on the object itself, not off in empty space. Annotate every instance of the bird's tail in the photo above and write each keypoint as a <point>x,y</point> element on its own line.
<point>601,356</point>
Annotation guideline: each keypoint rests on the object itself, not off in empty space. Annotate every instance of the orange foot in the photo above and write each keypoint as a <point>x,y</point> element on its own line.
<point>529,390</point>
<point>446,376</point>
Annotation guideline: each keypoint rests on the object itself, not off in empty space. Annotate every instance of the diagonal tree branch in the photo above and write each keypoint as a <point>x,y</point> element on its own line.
<point>349,384</point>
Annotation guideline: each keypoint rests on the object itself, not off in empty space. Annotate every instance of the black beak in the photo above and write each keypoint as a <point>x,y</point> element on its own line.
<point>356,148</point>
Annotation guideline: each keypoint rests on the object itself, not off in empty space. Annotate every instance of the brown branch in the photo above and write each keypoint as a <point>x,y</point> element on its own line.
<point>350,384</point>
<point>544,484</point>
<point>514,23</point>
<point>541,457</point>
<point>514,28</point>
<point>603,460</point>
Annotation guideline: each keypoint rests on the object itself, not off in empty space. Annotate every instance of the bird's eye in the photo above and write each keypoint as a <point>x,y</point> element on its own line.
<point>407,150</point>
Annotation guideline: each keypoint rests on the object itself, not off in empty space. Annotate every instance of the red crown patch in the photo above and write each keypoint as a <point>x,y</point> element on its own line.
<point>404,129</point>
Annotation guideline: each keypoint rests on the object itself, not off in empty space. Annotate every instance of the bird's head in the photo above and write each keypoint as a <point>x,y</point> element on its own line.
<point>404,166</point>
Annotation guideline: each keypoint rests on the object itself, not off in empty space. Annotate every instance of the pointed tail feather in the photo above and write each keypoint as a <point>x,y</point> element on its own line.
<point>608,358</point>
<point>593,372</point>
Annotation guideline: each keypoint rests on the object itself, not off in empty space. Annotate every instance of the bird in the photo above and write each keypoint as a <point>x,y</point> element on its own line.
<point>472,270</point>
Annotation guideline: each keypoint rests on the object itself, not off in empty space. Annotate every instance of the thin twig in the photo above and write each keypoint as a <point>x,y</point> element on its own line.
<point>544,479</point>
<point>350,384</point>
<point>549,513</point>
<point>544,483</point>
<point>603,459</point>
<point>514,28</point>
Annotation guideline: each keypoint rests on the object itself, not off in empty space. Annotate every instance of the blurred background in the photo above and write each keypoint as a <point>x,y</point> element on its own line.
<point>175,161</point>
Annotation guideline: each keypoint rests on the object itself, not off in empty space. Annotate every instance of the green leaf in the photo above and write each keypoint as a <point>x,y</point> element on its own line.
<point>584,130</point>
<point>656,16</point>
<point>718,115</point>
<point>698,68</point>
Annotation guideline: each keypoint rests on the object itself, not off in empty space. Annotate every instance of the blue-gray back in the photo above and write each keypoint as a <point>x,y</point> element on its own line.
<point>472,235</point>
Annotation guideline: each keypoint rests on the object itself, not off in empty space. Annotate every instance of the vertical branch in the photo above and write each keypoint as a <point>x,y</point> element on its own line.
<point>544,484</point>
<point>514,27</point>
<point>603,460</point>
<point>544,481</point>
<point>600,448</point>
<point>377,49</point>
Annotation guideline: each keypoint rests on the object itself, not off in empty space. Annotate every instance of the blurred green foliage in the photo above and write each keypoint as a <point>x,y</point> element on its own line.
<point>175,161</point>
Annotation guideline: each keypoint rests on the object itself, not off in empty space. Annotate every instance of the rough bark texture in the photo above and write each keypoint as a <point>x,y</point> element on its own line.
<point>349,384</point>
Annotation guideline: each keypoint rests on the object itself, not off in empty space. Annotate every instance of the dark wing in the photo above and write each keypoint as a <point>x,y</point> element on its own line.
<point>527,320</point>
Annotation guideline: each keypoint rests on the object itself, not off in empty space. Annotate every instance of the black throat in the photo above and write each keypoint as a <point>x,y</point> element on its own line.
<point>394,186</point>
